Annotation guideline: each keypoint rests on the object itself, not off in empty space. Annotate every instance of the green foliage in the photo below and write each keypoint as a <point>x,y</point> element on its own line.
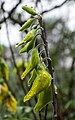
<point>41,78</point>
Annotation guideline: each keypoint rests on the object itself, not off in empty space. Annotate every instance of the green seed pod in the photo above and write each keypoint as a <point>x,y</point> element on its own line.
<point>27,24</point>
<point>41,82</point>
<point>33,63</point>
<point>28,46</point>
<point>43,99</point>
<point>31,34</point>
<point>29,10</point>
<point>35,57</point>
<point>32,78</point>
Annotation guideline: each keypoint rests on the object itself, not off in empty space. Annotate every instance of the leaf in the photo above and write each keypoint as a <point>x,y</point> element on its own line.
<point>32,64</point>
<point>41,82</point>
<point>29,36</point>
<point>27,71</point>
<point>35,57</point>
<point>43,99</point>
<point>28,46</point>
<point>32,78</point>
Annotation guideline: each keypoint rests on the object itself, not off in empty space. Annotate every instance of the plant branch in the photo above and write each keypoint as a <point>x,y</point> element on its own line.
<point>10,13</point>
<point>50,71</point>
<point>55,7</point>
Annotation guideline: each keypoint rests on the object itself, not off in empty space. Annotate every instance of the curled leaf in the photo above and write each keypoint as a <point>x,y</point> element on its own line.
<point>29,36</point>
<point>32,78</point>
<point>40,83</point>
<point>28,46</point>
<point>32,64</point>
<point>43,99</point>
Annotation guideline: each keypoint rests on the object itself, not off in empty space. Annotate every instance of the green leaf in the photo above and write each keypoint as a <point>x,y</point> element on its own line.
<point>32,78</point>
<point>41,82</point>
<point>43,99</point>
<point>28,46</point>
<point>32,64</point>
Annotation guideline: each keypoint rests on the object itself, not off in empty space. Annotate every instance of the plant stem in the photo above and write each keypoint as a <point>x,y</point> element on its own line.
<point>50,71</point>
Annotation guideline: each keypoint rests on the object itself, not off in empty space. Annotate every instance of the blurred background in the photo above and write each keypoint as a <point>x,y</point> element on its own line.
<point>59,24</point>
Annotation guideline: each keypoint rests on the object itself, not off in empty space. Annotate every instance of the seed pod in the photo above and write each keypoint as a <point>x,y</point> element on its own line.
<point>43,99</point>
<point>31,34</point>
<point>33,63</point>
<point>35,57</point>
<point>32,78</point>
<point>27,24</point>
<point>28,46</point>
<point>29,10</point>
<point>41,82</point>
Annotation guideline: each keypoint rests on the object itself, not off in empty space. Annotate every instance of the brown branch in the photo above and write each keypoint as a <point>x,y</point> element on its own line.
<point>50,71</point>
<point>55,7</point>
<point>9,13</point>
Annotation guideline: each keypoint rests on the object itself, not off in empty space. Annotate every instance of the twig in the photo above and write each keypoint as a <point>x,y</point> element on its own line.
<point>10,13</point>
<point>46,112</point>
<point>55,7</point>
